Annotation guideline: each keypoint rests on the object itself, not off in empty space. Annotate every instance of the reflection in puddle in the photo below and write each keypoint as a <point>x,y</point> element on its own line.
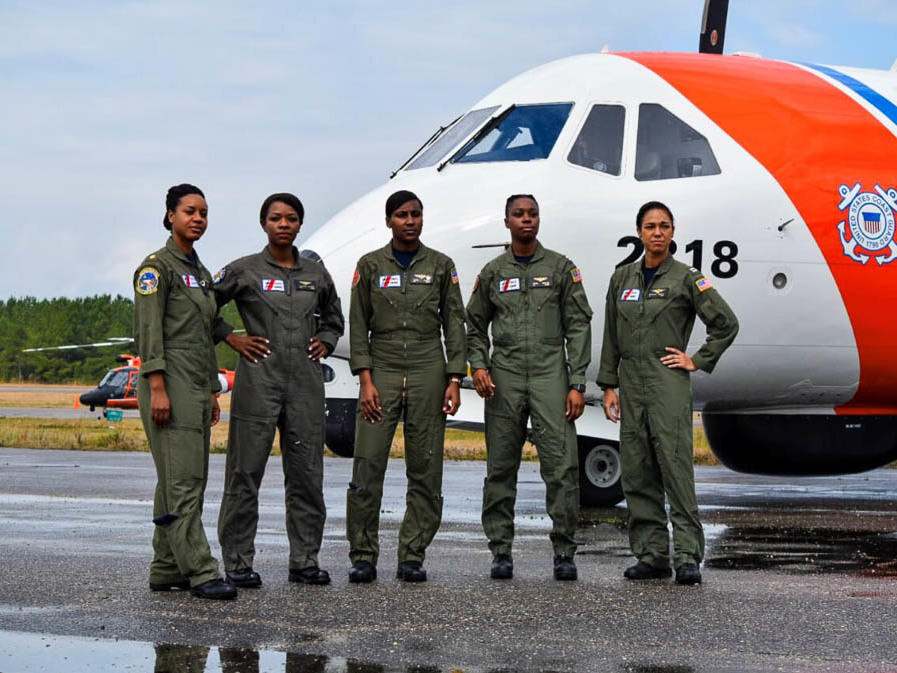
<point>804,550</point>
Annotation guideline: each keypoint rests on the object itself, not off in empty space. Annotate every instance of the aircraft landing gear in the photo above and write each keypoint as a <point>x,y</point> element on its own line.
<point>600,469</point>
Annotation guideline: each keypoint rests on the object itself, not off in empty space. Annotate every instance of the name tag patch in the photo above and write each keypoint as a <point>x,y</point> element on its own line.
<point>421,278</point>
<point>540,281</point>
<point>306,285</point>
<point>658,292</point>
<point>190,280</point>
<point>390,280</point>
<point>631,294</point>
<point>273,285</point>
<point>508,285</point>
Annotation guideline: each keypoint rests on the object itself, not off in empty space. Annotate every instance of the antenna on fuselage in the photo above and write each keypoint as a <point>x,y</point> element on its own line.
<point>713,27</point>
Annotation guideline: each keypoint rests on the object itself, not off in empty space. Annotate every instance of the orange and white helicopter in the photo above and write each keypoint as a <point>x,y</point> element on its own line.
<point>118,388</point>
<point>783,180</point>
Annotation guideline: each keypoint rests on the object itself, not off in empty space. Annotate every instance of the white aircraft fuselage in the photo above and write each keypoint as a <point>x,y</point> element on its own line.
<point>782,181</point>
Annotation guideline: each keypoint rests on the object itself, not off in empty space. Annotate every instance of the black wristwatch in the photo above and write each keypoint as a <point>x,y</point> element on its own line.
<point>578,387</point>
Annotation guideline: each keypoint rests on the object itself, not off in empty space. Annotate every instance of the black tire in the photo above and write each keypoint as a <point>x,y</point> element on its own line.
<point>599,472</point>
<point>340,430</point>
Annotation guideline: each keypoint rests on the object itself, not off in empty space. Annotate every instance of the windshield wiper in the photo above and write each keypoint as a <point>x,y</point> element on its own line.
<point>429,141</point>
<point>491,124</point>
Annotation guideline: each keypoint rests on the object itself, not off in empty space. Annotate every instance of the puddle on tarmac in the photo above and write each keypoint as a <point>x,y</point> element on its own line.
<point>804,550</point>
<point>22,652</point>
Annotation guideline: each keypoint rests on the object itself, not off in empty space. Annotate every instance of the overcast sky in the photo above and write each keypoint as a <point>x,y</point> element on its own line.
<point>105,104</point>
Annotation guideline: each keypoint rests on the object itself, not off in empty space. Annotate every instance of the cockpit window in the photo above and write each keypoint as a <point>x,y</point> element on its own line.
<point>523,133</point>
<point>600,143</point>
<point>669,148</point>
<point>115,377</point>
<point>451,137</point>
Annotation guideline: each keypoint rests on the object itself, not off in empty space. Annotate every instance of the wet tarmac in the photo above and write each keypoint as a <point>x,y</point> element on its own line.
<point>800,575</point>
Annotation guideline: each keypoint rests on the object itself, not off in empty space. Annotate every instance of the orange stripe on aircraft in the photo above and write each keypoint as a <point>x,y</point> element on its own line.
<point>813,138</point>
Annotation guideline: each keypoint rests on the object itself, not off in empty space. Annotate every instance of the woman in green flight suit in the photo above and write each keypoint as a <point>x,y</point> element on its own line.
<point>174,312</point>
<point>405,303</point>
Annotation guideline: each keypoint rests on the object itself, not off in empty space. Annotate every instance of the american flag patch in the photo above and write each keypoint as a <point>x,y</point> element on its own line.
<point>190,280</point>
<point>508,285</point>
<point>455,279</point>
<point>631,294</point>
<point>356,278</point>
<point>390,280</point>
<point>273,285</point>
<point>577,274</point>
<point>703,284</point>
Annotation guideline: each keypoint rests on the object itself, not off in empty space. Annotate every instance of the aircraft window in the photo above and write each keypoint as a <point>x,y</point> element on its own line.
<point>525,132</point>
<point>600,143</point>
<point>668,148</point>
<point>451,137</point>
<point>115,377</point>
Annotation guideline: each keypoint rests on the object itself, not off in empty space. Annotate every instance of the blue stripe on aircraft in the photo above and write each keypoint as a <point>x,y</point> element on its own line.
<point>886,107</point>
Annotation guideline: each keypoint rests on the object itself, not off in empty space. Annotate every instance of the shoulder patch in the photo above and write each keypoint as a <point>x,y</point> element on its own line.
<point>455,279</point>
<point>219,276</point>
<point>147,280</point>
<point>356,278</point>
<point>577,274</point>
<point>703,284</point>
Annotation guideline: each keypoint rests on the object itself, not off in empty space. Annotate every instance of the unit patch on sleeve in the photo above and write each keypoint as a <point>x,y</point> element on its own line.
<point>658,292</point>
<point>540,281</point>
<point>356,278</point>
<point>273,285</point>
<point>305,285</point>
<point>508,285</point>
<point>631,294</point>
<point>703,284</point>
<point>147,280</point>
<point>219,276</point>
<point>389,280</point>
<point>577,274</point>
<point>421,278</point>
<point>455,279</point>
<point>190,280</point>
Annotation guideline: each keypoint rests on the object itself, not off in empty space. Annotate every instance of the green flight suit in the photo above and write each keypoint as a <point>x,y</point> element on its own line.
<point>541,345</point>
<point>398,320</point>
<point>656,441</point>
<point>288,306</point>
<point>174,311</point>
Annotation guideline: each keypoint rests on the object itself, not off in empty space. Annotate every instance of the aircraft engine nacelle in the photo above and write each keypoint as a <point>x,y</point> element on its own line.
<point>801,444</point>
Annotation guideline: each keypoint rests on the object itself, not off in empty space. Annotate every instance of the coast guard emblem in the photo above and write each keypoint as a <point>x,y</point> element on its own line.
<point>869,229</point>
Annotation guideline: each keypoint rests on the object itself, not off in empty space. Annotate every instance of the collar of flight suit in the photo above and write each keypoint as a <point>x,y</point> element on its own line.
<point>662,269</point>
<point>420,254</point>
<point>173,248</point>
<point>269,258</point>
<point>537,255</point>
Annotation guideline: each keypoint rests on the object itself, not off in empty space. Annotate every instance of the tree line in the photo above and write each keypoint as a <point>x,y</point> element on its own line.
<point>29,322</point>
